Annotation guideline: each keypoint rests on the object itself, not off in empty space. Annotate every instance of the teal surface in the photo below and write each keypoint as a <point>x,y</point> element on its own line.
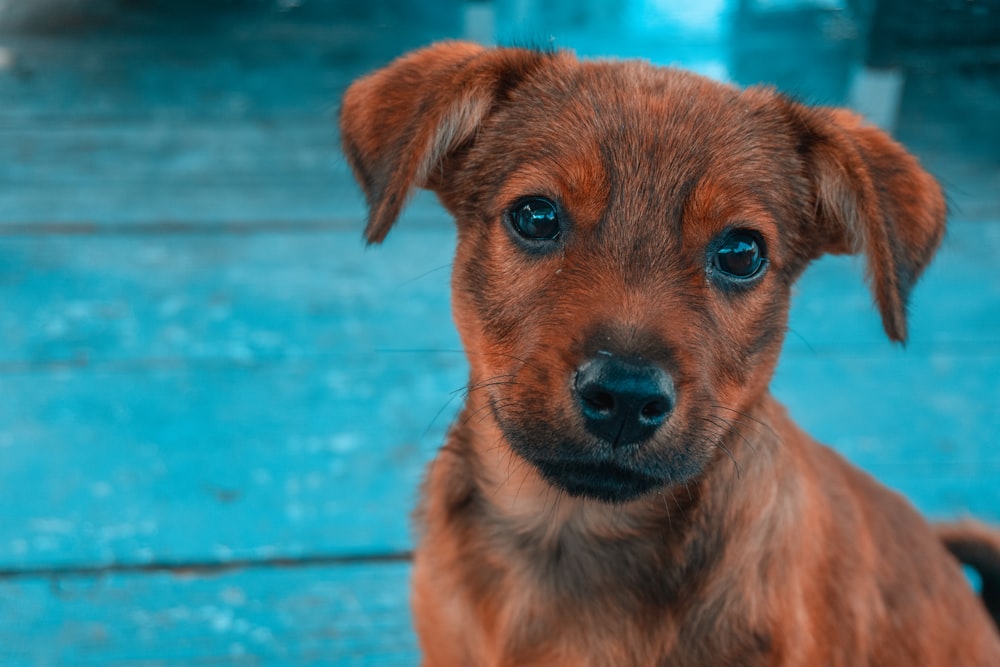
<point>216,403</point>
<point>308,615</point>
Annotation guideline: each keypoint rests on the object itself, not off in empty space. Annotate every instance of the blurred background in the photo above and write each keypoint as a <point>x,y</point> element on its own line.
<point>216,404</point>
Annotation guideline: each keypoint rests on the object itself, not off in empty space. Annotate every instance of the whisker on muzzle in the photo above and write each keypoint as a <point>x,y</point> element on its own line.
<point>505,355</point>
<point>666,508</point>
<point>725,427</point>
<point>465,391</point>
<point>479,412</point>
<point>494,381</point>
<point>744,417</point>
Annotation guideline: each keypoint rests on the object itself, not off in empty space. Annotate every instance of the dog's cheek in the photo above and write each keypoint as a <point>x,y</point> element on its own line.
<point>751,328</point>
<point>495,294</point>
<point>481,325</point>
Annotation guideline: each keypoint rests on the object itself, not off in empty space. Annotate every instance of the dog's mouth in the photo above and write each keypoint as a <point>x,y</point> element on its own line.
<point>583,466</point>
<point>605,481</point>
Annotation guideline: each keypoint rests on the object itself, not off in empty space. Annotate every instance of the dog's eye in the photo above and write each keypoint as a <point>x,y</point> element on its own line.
<point>740,255</point>
<point>535,218</point>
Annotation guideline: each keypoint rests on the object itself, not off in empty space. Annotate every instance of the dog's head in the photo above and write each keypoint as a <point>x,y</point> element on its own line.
<point>628,236</point>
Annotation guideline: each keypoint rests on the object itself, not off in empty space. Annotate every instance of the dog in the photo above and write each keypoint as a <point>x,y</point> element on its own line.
<point>620,488</point>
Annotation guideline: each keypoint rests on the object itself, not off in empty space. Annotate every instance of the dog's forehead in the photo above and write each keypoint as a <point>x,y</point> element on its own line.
<point>630,108</point>
<point>630,137</point>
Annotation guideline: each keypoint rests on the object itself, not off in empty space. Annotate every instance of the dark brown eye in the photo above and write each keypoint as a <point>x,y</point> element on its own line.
<point>740,255</point>
<point>536,219</point>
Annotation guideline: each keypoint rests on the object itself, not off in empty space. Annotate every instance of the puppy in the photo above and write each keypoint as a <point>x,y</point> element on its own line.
<point>620,488</point>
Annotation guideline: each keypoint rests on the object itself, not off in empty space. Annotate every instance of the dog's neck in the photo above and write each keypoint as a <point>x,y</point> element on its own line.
<point>515,498</point>
<point>522,546</point>
<point>518,497</point>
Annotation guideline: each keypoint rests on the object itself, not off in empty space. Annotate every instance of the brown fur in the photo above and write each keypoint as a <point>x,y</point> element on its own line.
<point>758,546</point>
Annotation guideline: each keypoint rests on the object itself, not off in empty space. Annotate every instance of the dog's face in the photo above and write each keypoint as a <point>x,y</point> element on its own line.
<point>628,236</point>
<point>623,269</point>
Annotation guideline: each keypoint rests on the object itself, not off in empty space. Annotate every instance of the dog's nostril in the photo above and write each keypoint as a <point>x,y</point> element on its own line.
<point>600,402</point>
<point>655,411</point>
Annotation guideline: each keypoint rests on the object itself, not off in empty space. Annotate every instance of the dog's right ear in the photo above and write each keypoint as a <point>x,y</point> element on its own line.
<point>399,124</point>
<point>872,196</point>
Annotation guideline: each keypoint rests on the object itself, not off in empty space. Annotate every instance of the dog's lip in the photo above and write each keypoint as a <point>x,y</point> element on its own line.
<point>600,480</point>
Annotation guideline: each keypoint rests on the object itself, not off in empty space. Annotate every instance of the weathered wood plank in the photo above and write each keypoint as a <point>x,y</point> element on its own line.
<point>346,615</point>
<point>314,615</point>
<point>143,152</point>
<point>214,463</point>
<point>923,425</point>
<point>245,297</point>
<point>233,203</point>
<point>207,397</point>
<point>198,462</point>
<point>952,304</point>
<point>149,117</point>
<point>222,296</point>
<point>247,64</point>
<point>148,172</point>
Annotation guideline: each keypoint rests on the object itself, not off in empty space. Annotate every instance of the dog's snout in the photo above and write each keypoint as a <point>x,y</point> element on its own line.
<point>623,402</point>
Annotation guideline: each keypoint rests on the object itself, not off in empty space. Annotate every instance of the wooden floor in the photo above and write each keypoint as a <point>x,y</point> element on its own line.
<point>216,403</point>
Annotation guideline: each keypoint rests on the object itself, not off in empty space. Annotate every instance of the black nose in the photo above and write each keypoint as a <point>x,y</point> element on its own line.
<point>623,402</point>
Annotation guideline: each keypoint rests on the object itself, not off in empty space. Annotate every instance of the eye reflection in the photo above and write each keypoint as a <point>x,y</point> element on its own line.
<point>536,219</point>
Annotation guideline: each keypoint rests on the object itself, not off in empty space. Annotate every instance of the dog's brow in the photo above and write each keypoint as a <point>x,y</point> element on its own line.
<point>684,194</point>
<point>678,198</point>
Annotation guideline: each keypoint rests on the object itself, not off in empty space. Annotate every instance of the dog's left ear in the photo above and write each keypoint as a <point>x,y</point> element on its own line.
<point>871,196</point>
<point>399,125</point>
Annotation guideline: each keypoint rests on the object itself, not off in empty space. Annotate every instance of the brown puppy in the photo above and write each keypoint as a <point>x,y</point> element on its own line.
<point>620,488</point>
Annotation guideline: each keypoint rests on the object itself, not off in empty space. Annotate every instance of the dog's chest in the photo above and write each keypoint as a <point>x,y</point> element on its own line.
<point>593,604</point>
<point>539,627</point>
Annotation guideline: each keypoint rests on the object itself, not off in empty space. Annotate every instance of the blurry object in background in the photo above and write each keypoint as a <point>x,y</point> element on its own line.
<point>76,17</point>
<point>479,22</point>
<point>821,34</point>
<point>909,32</point>
<point>21,15</point>
<point>7,59</point>
<point>72,16</point>
<point>528,19</point>
<point>694,18</point>
<point>877,93</point>
<point>927,36</point>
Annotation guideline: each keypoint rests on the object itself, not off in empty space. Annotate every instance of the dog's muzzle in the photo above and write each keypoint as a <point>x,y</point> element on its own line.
<point>622,402</point>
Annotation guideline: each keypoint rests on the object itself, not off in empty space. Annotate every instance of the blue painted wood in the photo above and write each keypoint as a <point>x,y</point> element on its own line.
<point>234,297</point>
<point>153,172</point>
<point>232,395</point>
<point>339,616</point>
<point>217,462</point>
<point>923,424</point>
<point>144,118</point>
<point>205,397</point>
<point>955,305</point>
<point>210,463</point>
<point>262,62</point>
<point>270,296</point>
<point>190,151</point>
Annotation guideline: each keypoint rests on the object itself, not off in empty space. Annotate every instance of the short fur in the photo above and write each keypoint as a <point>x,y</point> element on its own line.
<point>755,545</point>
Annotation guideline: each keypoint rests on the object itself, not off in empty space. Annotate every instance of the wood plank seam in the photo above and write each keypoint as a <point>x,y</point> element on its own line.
<point>205,566</point>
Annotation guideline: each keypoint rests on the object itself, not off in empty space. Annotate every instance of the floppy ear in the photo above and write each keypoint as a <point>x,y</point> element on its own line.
<point>400,124</point>
<point>872,197</point>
